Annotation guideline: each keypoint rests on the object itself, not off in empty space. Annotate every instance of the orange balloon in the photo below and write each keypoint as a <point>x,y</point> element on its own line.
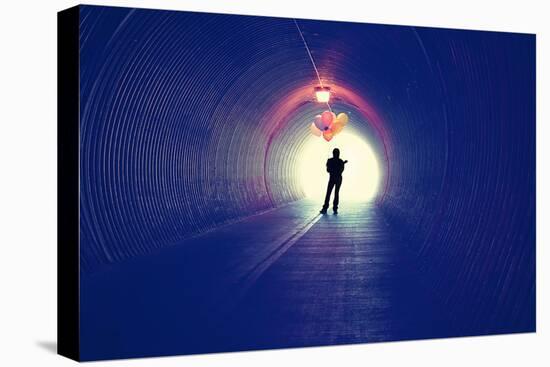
<point>342,118</point>
<point>328,135</point>
<point>337,127</point>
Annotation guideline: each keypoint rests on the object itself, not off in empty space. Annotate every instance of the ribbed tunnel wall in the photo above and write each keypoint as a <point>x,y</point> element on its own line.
<point>192,123</point>
<point>189,121</point>
<point>463,178</point>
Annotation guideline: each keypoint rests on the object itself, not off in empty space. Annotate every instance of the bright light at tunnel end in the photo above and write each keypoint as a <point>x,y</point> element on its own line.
<point>361,177</point>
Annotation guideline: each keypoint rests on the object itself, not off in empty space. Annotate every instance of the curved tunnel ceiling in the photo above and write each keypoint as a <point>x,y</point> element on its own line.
<point>188,136</point>
<point>192,120</point>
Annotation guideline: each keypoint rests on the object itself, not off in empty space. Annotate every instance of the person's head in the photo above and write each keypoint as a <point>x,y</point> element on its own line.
<point>336,153</point>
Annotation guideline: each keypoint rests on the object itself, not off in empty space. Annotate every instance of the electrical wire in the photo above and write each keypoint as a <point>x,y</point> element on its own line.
<point>311,58</point>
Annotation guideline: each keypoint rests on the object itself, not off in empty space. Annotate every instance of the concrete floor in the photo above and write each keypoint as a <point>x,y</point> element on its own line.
<point>285,278</point>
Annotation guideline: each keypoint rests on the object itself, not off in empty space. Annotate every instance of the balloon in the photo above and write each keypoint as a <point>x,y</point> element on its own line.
<point>336,127</point>
<point>328,135</point>
<point>318,122</point>
<point>314,130</point>
<point>342,118</point>
<point>327,117</point>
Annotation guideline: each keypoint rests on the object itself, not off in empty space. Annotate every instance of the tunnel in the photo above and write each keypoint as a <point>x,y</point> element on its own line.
<point>191,122</point>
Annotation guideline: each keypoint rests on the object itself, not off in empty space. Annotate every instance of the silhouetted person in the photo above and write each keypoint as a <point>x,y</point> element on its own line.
<point>335,167</point>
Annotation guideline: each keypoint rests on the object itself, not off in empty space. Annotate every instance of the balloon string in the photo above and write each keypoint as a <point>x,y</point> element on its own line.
<point>310,57</point>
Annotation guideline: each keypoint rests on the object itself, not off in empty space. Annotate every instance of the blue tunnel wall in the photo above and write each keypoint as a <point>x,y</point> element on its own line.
<point>191,120</point>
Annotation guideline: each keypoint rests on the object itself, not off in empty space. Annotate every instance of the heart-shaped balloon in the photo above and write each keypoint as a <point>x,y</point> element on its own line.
<point>327,117</point>
<point>318,122</point>
<point>336,127</point>
<point>342,118</point>
<point>328,135</point>
<point>314,130</point>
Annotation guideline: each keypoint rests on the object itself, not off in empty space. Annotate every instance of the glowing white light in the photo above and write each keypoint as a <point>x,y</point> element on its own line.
<point>361,176</point>
<point>322,94</point>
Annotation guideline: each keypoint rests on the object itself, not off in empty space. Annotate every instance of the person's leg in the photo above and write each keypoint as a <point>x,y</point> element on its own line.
<point>338,183</point>
<point>327,196</point>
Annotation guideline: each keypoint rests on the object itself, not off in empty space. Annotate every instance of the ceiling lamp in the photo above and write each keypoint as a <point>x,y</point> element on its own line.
<point>322,94</point>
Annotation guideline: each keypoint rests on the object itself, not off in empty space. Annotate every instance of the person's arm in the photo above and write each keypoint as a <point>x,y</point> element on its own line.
<point>343,166</point>
<point>328,165</point>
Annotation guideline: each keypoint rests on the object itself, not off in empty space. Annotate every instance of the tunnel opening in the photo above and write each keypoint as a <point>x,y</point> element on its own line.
<point>361,175</point>
<point>295,160</point>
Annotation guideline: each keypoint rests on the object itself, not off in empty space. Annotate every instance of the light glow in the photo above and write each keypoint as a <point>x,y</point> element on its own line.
<point>322,94</point>
<point>361,176</point>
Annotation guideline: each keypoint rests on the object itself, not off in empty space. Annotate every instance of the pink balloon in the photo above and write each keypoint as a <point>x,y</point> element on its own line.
<point>318,122</point>
<point>327,118</point>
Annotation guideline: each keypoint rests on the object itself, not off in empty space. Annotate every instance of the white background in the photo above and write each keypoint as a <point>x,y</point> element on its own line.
<point>28,183</point>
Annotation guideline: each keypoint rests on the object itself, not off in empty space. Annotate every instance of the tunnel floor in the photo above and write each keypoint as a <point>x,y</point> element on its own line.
<point>285,278</point>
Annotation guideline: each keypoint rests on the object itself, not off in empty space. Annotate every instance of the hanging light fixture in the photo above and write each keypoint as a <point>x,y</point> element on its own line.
<point>322,94</point>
